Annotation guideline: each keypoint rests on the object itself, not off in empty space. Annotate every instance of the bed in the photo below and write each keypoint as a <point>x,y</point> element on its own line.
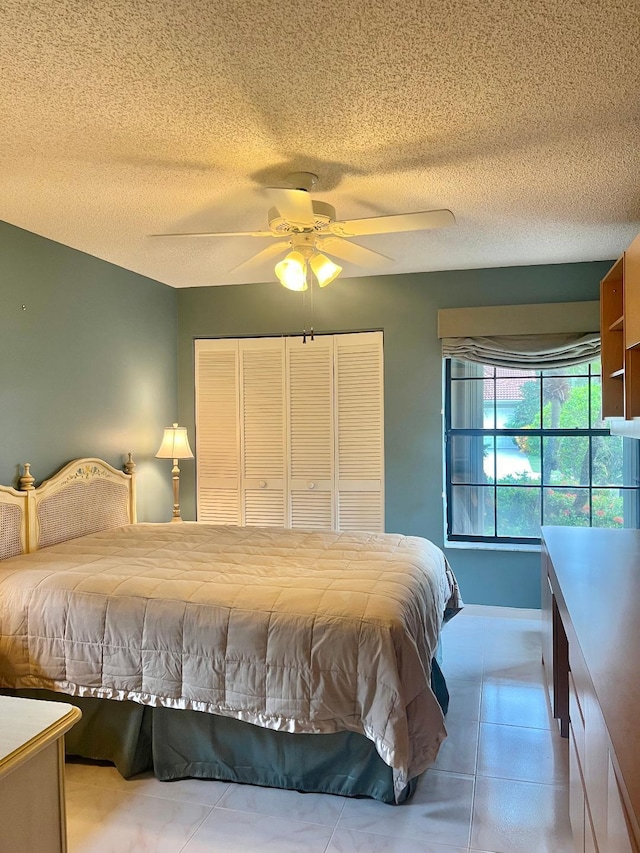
<point>302,659</point>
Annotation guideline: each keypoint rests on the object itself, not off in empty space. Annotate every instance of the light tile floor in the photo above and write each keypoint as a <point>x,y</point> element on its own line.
<point>499,784</point>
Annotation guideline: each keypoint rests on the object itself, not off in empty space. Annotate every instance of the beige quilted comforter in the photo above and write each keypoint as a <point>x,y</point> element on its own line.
<point>298,631</point>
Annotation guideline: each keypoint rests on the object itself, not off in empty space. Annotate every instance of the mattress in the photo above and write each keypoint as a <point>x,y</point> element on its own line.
<point>297,631</point>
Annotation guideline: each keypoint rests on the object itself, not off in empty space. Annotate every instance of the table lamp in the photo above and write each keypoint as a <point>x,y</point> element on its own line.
<point>175,445</point>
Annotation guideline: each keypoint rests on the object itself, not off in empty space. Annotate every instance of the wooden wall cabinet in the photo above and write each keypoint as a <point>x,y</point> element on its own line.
<point>620,335</point>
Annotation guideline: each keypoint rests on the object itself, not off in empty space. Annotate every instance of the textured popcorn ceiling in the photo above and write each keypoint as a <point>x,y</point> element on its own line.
<point>122,119</point>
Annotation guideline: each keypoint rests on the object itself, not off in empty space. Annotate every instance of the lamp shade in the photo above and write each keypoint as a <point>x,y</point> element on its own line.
<point>175,444</point>
<point>292,271</point>
<point>324,269</point>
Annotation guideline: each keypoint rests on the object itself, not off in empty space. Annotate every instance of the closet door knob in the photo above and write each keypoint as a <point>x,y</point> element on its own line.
<point>311,485</point>
<point>262,484</point>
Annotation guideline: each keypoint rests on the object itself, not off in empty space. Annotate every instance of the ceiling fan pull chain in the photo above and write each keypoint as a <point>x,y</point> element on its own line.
<point>310,279</point>
<point>304,316</point>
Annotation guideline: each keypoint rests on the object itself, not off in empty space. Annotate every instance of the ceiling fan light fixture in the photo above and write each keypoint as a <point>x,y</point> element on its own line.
<point>324,269</point>
<point>292,271</point>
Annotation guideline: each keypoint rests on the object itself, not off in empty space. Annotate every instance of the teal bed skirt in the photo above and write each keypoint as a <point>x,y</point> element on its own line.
<point>177,744</point>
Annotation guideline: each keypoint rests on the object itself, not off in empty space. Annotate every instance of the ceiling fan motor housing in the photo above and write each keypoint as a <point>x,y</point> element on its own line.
<point>323,214</point>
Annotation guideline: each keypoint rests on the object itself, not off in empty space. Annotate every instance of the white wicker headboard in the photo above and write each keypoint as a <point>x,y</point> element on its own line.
<point>14,528</point>
<point>86,496</point>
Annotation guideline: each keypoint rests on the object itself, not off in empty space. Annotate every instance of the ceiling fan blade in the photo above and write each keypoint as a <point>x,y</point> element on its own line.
<point>352,252</point>
<point>265,255</point>
<point>293,205</point>
<point>418,221</point>
<point>218,234</point>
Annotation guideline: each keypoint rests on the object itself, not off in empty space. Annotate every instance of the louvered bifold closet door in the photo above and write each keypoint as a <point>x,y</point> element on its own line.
<point>217,431</point>
<point>263,441</point>
<point>359,425</point>
<point>311,450</point>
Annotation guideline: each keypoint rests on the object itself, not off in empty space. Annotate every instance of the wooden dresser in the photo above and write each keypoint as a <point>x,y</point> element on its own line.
<point>32,809</point>
<point>591,652</point>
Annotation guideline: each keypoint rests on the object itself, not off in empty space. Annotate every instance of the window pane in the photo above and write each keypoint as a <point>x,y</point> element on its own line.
<point>575,411</point>
<point>472,511</point>
<point>518,459</point>
<point>630,506</point>
<point>467,404</point>
<point>566,460</point>
<point>564,404</point>
<point>489,458</point>
<point>518,511</point>
<point>607,460</point>
<point>608,508</point>
<point>513,409</point>
<point>510,373</point>
<point>596,404</point>
<point>568,507</point>
<point>488,407</point>
<point>462,369</point>
<point>468,456</point>
<point>574,370</point>
<point>519,403</point>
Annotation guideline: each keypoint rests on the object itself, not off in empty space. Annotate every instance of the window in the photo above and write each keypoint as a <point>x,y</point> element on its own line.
<point>528,447</point>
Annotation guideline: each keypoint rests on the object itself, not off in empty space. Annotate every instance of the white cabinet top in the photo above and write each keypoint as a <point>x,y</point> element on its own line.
<point>28,725</point>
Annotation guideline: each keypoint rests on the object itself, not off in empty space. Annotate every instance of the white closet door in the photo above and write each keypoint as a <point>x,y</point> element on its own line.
<point>311,449</point>
<point>291,434</point>
<point>359,430</point>
<point>262,425</point>
<point>217,431</point>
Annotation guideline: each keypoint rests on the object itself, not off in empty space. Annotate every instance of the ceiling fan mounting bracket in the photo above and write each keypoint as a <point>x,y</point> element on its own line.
<point>302,180</point>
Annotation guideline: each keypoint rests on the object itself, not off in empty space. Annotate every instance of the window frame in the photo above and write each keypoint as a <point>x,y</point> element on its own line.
<point>494,432</point>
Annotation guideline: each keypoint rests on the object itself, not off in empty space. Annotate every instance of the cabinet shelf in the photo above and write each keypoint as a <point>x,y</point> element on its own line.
<point>620,336</point>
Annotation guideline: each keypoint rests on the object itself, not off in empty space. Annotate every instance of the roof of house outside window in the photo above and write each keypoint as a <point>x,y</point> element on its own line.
<point>507,386</point>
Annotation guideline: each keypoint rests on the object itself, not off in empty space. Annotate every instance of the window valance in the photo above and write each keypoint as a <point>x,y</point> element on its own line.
<point>524,337</point>
<point>525,352</point>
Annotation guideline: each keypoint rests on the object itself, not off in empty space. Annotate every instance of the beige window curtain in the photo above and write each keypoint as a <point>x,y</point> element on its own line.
<point>525,352</point>
<point>522,337</point>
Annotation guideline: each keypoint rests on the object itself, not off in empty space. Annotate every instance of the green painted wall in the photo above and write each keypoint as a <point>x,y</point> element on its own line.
<point>88,368</point>
<point>405,307</point>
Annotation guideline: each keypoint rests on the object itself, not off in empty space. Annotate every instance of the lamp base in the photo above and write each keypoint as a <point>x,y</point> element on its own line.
<point>177,518</point>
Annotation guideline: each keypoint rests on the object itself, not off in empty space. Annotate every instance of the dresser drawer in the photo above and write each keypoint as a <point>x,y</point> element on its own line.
<point>619,833</point>
<point>576,796</point>
<point>576,717</point>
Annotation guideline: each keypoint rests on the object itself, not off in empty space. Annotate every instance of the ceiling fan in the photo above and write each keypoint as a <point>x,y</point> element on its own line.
<point>307,229</point>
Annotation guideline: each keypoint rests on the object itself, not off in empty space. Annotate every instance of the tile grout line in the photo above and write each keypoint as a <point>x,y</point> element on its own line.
<point>333,832</point>
<point>195,830</point>
<point>477,757</point>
